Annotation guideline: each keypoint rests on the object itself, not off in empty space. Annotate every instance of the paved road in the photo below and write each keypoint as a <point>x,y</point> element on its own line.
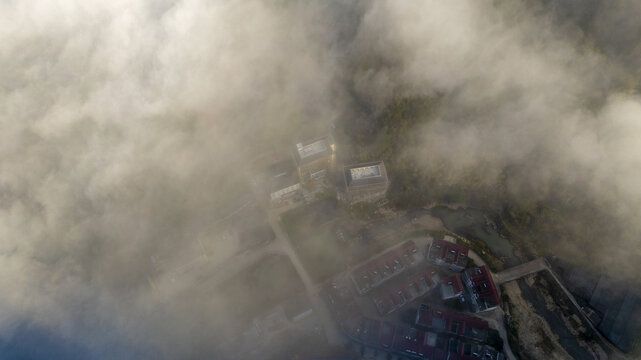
<point>334,337</point>
<point>520,271</point>
<point>237,263</point>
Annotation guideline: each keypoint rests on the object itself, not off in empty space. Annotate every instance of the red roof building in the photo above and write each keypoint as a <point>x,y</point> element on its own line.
<point>443,252</point>
<point>451,287</point>
<point>452,323</point>
<point>483,293</point>
<point>397,296</point>
<point>416,343</point>
<point>376,271</point>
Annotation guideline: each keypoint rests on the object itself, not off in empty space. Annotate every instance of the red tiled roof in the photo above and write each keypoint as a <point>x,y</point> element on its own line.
<point>484,285</point>
<point>449,252</point>
<point>427,314</point>
<point>386,264</point>
<point>455,281</point>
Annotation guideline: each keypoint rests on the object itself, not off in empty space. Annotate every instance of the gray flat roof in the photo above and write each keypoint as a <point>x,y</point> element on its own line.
<point>365,174</point>
<point>309,151</point>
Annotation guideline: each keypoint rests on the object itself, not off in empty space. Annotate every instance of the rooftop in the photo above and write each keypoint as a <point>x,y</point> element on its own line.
<point>447,252</point>
<point>377,270</point>
<point>479,282</point>
<point>365,174</point>
<point>416,343</point>
<point>397,296</point>
<point>451,287</point>
<point>312,150</point>
<point>453,323</point>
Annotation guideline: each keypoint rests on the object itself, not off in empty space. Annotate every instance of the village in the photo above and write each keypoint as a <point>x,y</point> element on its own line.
<point>336,273</point>
<point>393,292</point>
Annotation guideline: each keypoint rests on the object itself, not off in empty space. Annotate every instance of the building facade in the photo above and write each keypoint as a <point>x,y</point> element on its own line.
<point>364,182</point>
<point>315,158</point>
<point>483,293</point>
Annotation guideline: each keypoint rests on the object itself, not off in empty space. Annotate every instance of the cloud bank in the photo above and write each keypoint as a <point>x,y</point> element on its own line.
<point>126,127</point>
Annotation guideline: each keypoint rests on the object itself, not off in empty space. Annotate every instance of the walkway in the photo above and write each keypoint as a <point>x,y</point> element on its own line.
<point>520,271</point>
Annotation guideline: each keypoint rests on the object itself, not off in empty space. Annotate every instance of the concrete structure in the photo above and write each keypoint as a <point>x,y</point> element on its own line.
<point>364,182</point>
<point>483,293</point>
<point>451,287</point>
<point>284,188</point>
<point>286,191</point>
<point>314,158</point>
<point>443,252</point>
<point>519,271</point>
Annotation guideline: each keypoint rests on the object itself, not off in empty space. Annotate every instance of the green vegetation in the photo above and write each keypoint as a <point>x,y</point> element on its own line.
<point>387,136</point>
<point>471,263</point>
<point>260,287</point>
<point>546,284</point>
<point>636,347</point>
<point>494,339</point>
<point>511,325</point>
<point>483,251</point>
<point>363,210</point>
<point>552,217</point>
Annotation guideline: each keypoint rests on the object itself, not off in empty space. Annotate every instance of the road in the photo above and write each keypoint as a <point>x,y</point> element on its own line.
<point>282,242</point>
<point>519,271</point>
<point>236,264</point>
<point>334,337</point>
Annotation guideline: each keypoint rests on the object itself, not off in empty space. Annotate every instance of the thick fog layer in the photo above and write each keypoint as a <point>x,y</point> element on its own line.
<point>524,87</point>
<point>127,131</point>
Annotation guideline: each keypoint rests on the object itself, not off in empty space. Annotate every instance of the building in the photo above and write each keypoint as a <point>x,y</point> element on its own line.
<point>391,263</point>
<point>314,158</point>
<point>451,287</point>
<point>397,296</point>
<point>409,342</point>
<point>285,191</point>
<point>364,182</point>
<point>443,321</point>
<point>284,186</point>
<point>443,252</point>
<point>483,293</point>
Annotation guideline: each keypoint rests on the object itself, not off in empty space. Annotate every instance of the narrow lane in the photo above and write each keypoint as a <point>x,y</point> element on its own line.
<point>334,337</point>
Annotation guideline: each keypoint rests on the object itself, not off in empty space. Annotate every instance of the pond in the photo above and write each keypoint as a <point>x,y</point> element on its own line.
<point>472,223</point>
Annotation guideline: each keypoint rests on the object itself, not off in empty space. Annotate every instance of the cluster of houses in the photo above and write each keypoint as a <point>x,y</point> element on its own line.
<point>406,274</point>
<point>312,168</point>
<point>474,283</point>
<point>391,263</point>
<point>437,334</point>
